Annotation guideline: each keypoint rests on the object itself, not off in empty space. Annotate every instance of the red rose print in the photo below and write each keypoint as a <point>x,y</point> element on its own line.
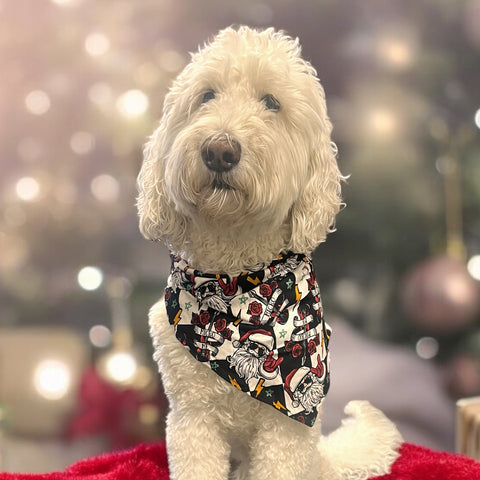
<point>227,334</point>
<point>195,319</point>
<point>265,290</point>
<point>301,419</point>
<point>204,318</point>
<point>289,346</point>
<point>297,350</point>
<point>311,347</point>
<point>168,294</point>
<point>274,284</point>
<point>255,308</point>
<point>220,325</point>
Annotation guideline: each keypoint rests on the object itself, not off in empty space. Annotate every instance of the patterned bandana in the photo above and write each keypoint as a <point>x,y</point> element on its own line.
<point>262,331</point>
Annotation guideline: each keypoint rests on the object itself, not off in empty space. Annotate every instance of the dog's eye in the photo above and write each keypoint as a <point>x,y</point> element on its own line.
<point>271,103</point>
<point>208,95</point>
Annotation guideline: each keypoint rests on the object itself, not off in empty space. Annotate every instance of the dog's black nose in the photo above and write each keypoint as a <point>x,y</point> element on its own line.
<point>221,154</point>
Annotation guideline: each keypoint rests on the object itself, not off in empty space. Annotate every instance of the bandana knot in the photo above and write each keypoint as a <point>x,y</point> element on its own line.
<point>263,331</point>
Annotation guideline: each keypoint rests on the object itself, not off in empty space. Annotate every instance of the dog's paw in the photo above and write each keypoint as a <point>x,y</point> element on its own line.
<point>364,446</point>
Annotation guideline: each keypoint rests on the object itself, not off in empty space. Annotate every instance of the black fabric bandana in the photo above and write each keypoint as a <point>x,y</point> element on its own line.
<point>262,331</point>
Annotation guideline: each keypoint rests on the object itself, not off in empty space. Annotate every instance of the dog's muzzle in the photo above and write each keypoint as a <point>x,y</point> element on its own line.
<point>220,154</point>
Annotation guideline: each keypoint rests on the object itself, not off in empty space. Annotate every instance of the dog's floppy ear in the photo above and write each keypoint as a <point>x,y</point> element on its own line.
<point>159,219</point>
<point>312,216</point>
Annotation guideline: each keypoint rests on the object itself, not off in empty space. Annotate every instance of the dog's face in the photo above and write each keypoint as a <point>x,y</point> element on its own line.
<point>244,143</point>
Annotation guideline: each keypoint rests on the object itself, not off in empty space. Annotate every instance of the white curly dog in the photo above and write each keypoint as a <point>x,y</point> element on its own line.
<point>240,181</point>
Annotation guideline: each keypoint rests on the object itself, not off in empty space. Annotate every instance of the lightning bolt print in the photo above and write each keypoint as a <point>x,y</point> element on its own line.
<point>234,382</point>
<point>259,387</point>
<point>298,294</point>
<point>177,317</point>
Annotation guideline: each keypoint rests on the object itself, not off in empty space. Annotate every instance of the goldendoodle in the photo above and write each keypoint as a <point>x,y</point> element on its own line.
<point>241,182</point>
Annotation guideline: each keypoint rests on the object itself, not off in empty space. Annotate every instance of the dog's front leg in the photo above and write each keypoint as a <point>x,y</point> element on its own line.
<point>196,448</point>
<point>283,449</point>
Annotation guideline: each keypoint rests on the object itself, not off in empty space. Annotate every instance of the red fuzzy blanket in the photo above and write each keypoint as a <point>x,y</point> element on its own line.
<point>149,462</point>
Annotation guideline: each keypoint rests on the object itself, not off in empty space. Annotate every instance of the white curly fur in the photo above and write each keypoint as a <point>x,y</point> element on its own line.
<point>283,195</point>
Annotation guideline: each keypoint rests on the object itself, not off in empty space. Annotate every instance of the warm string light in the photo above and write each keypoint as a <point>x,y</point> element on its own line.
<point>473,267</point>
<point>121,366</point>
<point>63,2</point>
<point>27,189</point>
<point>395,52</point>
<point>90,278</point>
<point>476,118</point>
<point>105,188</point>
<point>52,379</point>
<point>97,44</point>
<point>132,103</point>
<point>382,121</point>
<point>37,102</point>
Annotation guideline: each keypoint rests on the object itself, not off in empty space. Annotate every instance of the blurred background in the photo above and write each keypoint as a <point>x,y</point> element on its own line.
<point>82,86</point>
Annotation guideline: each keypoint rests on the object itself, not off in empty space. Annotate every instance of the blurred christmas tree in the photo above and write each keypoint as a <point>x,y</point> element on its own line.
<point>82,86</point>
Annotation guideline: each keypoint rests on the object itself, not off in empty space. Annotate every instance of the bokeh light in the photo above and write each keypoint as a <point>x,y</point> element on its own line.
<point>27,189</point>
<point>100,336</point>
<point>97,44</point>
<point>37,102</point>
<point>63,2</point>
<point>105,188</point>
<point>52,379</point>
<point>395,52</point>
<point>90,278</point>
<point>427,348</point>
<point>382,121</point>
<point>473,267</point>
<point>132,103</point>
<point>445,165</point>
<point>82,142</point>
<point>121,367</point>
<point>477,118</point>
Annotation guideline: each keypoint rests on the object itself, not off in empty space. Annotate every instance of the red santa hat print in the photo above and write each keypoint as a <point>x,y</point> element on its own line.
<point>259,336</point>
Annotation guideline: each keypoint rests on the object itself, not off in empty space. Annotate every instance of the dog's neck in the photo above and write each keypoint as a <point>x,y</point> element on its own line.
<point>229,252</point>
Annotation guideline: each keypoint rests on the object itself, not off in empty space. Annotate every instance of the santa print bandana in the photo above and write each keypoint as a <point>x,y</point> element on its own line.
<point>262,331</point>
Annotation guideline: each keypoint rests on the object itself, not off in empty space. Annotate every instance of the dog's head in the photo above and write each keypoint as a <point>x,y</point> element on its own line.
<point>244,144</point>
